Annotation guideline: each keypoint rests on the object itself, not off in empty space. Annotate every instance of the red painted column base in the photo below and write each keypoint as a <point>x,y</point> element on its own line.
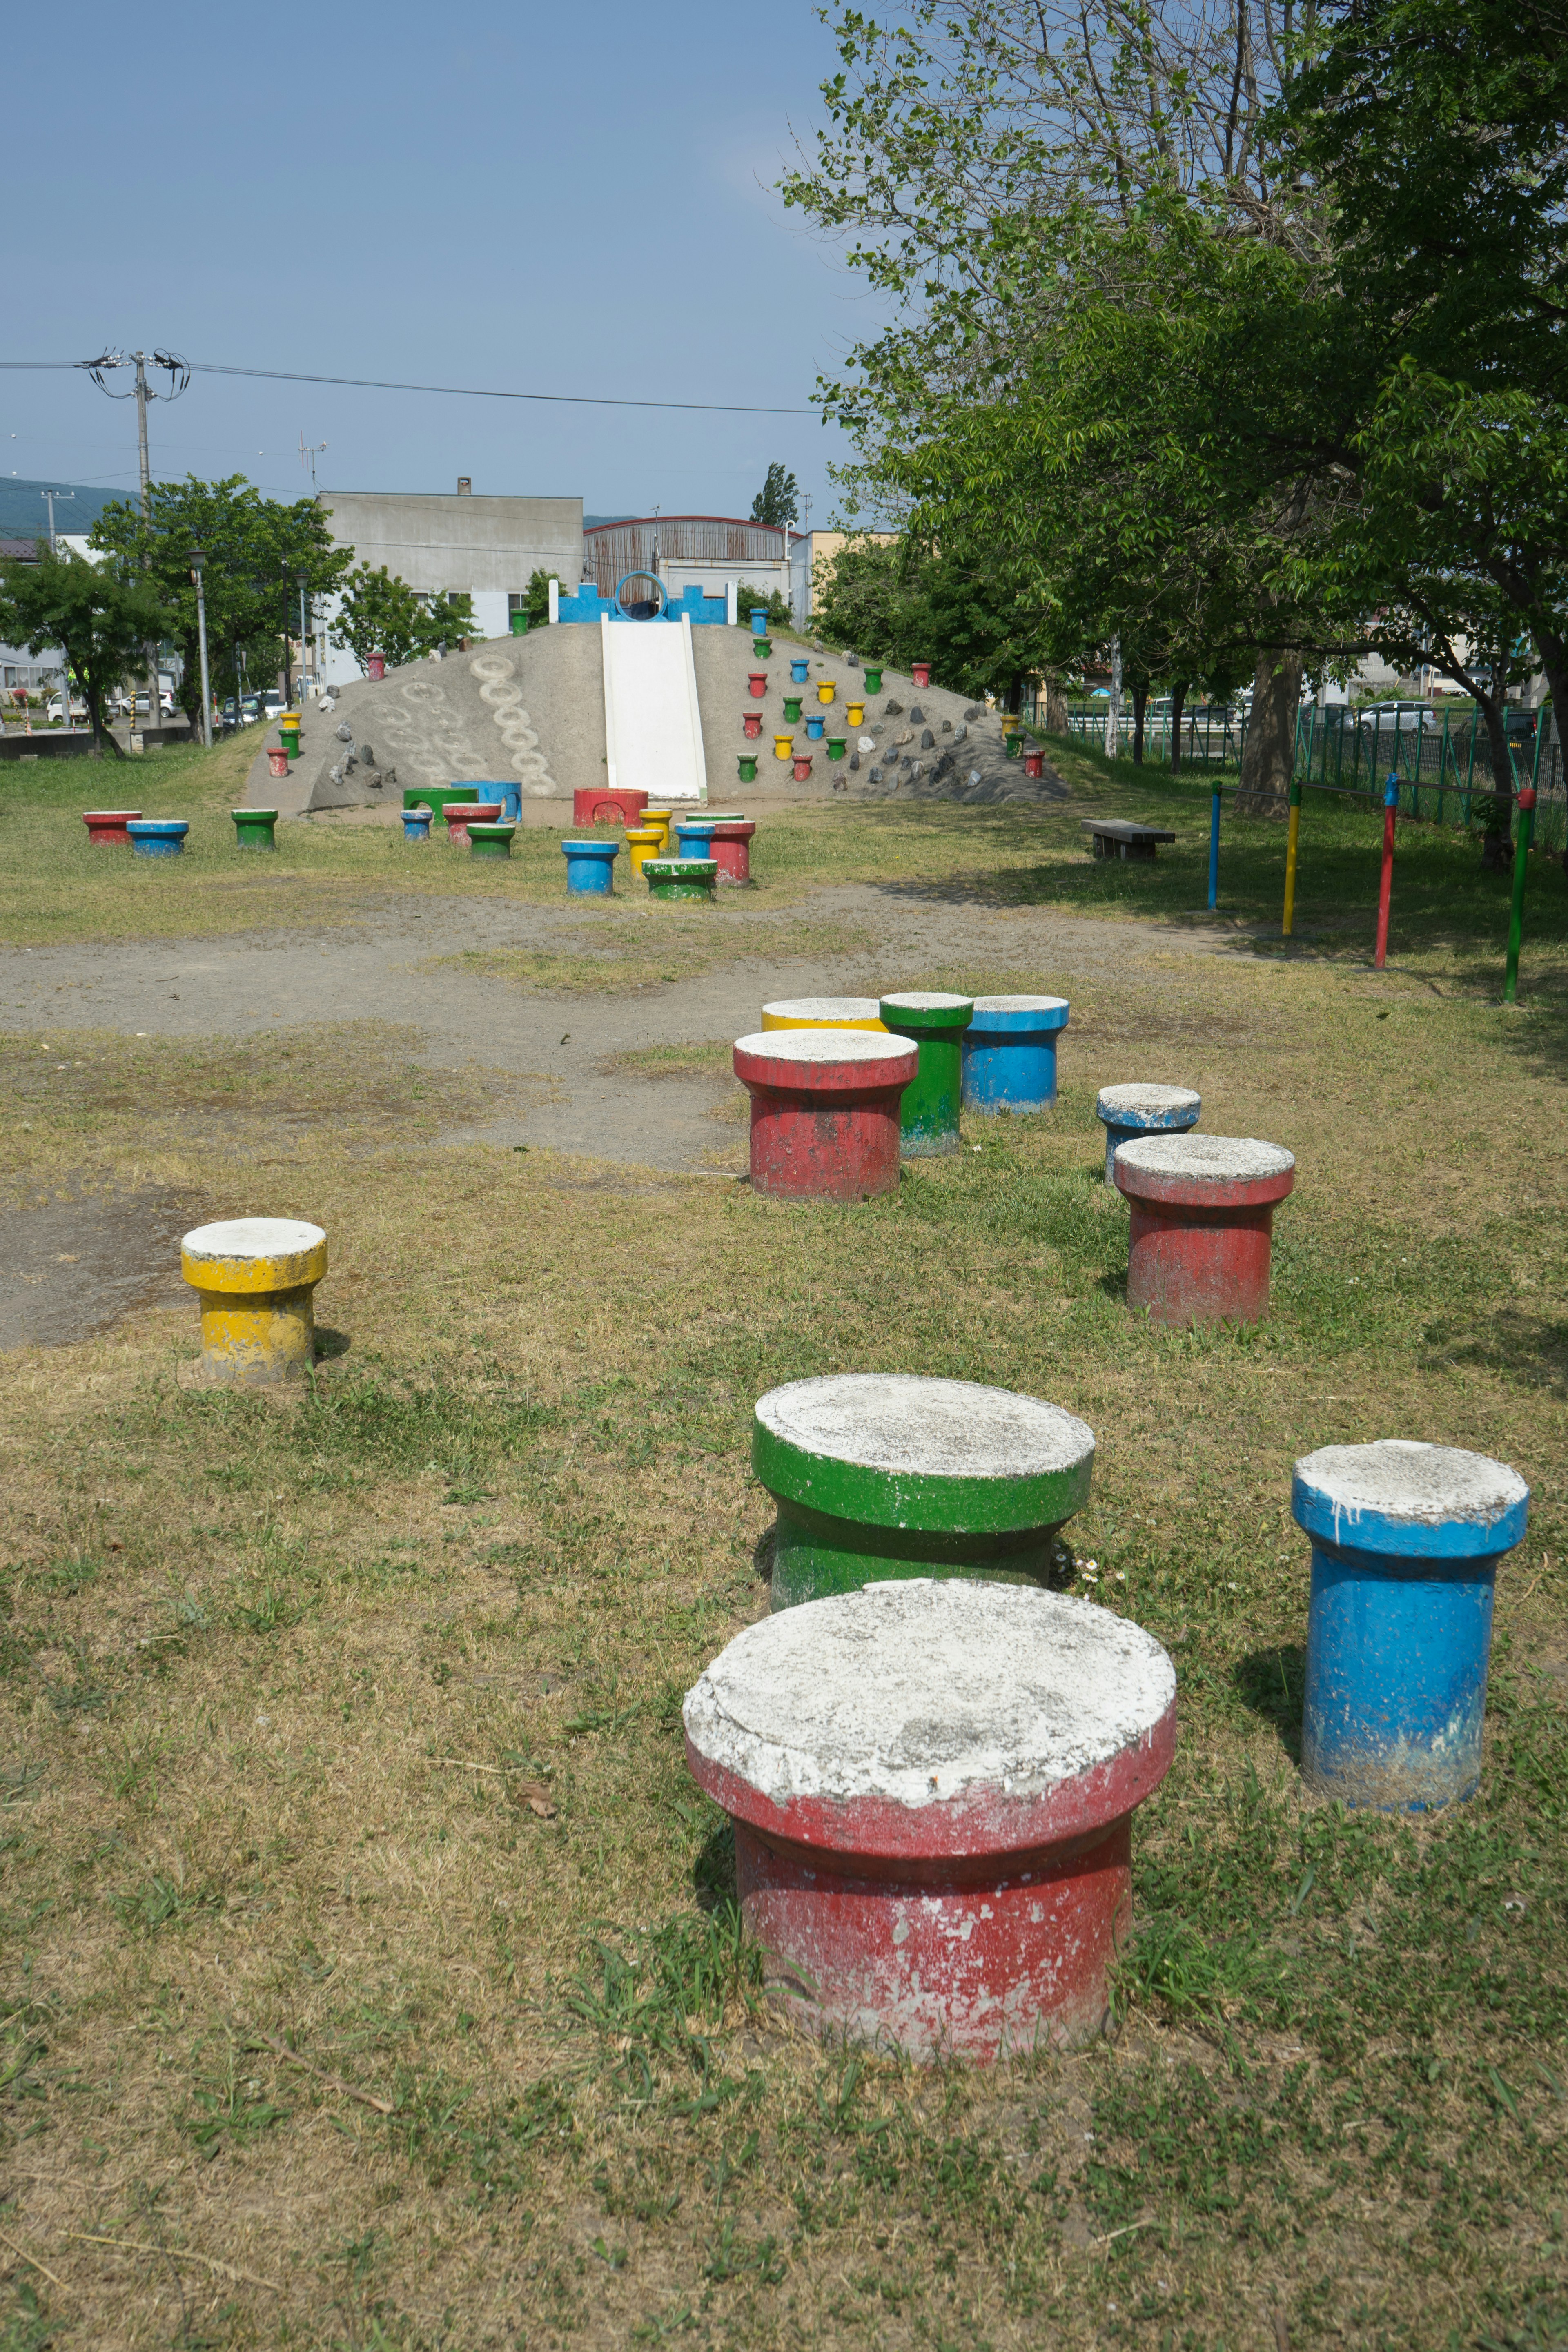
<point>599,804</point>
<point>1191,1265</point>
<point>980,1958</point>
<point>839,1147</point>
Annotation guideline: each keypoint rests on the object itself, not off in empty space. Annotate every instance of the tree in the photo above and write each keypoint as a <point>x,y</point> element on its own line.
<point>257,552</point>
<point>380,613</point>
<point>777,501</point>
<point>101,621</point>
<point>900,604</point>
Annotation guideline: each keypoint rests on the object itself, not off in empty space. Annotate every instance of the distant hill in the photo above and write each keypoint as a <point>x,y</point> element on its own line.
<point>24,515</point>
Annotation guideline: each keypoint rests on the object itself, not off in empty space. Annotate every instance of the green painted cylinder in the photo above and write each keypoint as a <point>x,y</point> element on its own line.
<point>680,877</point>
<point>253,828</point>
<point>879,1475</point>
<point>930,1106</point>
<point>490,840</point>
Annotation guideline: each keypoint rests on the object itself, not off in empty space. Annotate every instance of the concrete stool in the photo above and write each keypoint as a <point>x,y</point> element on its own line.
<point>460,814</point>
<point>937,1024</point>
<point>590,867</point>
<point>661,817</point>
<point>157,836</point>
<point>253,1277</point>
<point>784,747</point>
<point>802,767</point>
<point>752,725</point>
<point>816,725</point>
<point>729,846</point>
<point>1010,1053</point>
<point>692,835</point>
<point>277,760</point>
<point>798,666</point>
<point>679,877</point>
<point>434,797</point>
<point>1202,1225</point>
<point>825,1012</point>
<point>253,828</point>
<point>489,840</point>
<point>416,825</point>
<point>106,827</point>
<point>604,804</point>
<point>825,1111</point>
<point>1406,1540</point>
<point>932,1787</point>
<point>757,684</point>
<point>746,767</point>
<point>1128,1112</point>
<point>643,842</point>
<point>883,1474</point>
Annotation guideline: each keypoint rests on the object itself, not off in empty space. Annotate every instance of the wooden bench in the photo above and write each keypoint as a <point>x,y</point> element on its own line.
<point>1115,837</point>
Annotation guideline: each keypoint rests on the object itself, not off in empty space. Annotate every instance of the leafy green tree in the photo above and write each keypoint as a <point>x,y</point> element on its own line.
<point>102,621</point>
<point>380,613</point>
<point>778,501</point>
<point>536,598</point>
<point>772,601</point>
<point>957,610</point>
<point>257,551</point>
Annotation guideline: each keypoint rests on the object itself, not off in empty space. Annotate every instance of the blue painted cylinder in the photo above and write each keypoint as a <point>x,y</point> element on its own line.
<point>696,837</point>
<point>416,825</point>
<point>509,796</point>
<point>1127,1112</point>
<point>590,867</point>
<point>799,665</point>
<point>1010,1053</point>
<point>158,836</point>
<point>1405,1539</point>
<point>759,621</point>
<point>816,727</point>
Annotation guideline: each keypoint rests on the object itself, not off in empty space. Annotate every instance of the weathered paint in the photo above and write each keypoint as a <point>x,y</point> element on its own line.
<point>277,760</point>
<point>643,842</point>
<point>873,679</point>
<point>971,1902</point>
<point>792,709</point>
<point>757,682</point>
<point>489,840</point>
<point>255,1279</point>
<point>1128,1112</point>
<point>1010,1053</point>
<point>106,827</point>
<point>679,877</point>
<point>921,673</point>
<point>460,814</point>
<point>1405,1540</point>
<point>158,836</point>
<point>599,804</point>
<point>880,1475</point>
<point>416,825</point>
<point>752,725</point>
<point>837,746</point>
<point>253,828</point>
<point>824,1110</point>
<point>816,727</point>
<point>729,846</point>
<point>936,1022</point>
<point>802,767</point>
<point>434,797</point>
<point>746,767</point>
<point>591,867</point>
<point>1201,1230</point>
<point>693,836</point>
<point>799,666</point>
<point>762,648</point>
<point>825,1012</point>
<point>662,818</point>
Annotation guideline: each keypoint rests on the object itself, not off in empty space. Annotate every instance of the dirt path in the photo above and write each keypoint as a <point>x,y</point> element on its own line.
<point>389,966</point>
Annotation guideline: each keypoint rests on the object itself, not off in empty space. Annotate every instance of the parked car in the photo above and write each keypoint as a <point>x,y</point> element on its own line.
<point>54,713</point>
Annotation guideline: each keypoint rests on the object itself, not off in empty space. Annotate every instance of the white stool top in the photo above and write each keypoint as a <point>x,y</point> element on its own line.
<point>1401,1478</point>
<point>922,1690</point>
<point>1144,1102</point>
<point>825,1008</point>
<point>927,1000</point>
<point>1212,1159</point>
<point>253,1237</point>
<point>793,1047</point>
<point>1019,1003</point>
<point>897,1421</point>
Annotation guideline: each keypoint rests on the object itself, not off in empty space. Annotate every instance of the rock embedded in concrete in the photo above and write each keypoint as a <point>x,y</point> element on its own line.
<point>947,726</point>
<point>892,708</point>
<point>928,741</point>
<point>975,710</point>
<point>917,715</point>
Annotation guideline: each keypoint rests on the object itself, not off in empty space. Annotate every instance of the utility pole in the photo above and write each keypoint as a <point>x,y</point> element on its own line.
<point>179,376</point>
<point>48,497</point>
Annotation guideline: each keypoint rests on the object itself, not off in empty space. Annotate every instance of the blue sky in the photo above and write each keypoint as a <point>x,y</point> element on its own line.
<point>556,199</point>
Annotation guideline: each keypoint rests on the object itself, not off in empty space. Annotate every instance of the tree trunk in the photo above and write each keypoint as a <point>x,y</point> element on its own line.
<point>1014,696</point>
<point>1139,705</point>
<point>1178,708</point>
<point>1268,755</point>
<point>1056,705</point>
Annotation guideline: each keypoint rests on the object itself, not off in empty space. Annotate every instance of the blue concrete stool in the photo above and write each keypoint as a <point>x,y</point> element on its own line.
<point>815,726</point>
<point>759,621</point>
<point>509,795</point>
<point>590,867</point>
<point>1405,1542</point>
<point>798,668</point>
<point>416,825</point>
<point>1010,1053</point>
<point>696,837</point>
<point>1130,1112</point>
<point>158,836</point>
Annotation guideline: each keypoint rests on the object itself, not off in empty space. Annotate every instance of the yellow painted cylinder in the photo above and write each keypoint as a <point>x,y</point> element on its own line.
<point>825,1012</point>
<point>784,747</point>
<point>663,818</point>
<point>855,714</point>
<point>825,689</point>
<point>644,841</point>
<point>1291,845</point>
<point>255,1280</point>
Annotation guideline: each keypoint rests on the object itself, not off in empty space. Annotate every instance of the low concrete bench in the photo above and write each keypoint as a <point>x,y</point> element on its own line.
<point>933,1787</point>
<point>883,1474</point>
<point>1115,837</point>
<point>1405,1539</point>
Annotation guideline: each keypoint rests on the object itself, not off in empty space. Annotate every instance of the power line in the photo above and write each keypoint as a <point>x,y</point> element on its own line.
<point>461,390</point>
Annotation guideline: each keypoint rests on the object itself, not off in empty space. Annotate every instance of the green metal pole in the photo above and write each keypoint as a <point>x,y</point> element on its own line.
<point>1516,916</point>
<point>1470,767</point>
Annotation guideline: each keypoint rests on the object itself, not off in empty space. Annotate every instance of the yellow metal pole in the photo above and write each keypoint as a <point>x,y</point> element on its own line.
<point>1292,841</point>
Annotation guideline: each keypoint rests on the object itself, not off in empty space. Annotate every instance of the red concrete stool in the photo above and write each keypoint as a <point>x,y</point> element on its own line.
<point>932,1786</point>
<point>606,804</point>
<point>460,814</point>
<point>729,846</point>
<point>824,1110</point>
<point>1202,1225</point>
<point>106,827</point>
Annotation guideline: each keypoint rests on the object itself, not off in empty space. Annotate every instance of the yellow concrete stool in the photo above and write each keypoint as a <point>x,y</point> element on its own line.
<point>644,841</point>
<point>855,714</point>
<point>254,1277</point>
<point>784,747</point>
<point>825,689</point>
<point>825,1012</point>
<point>663,818</point>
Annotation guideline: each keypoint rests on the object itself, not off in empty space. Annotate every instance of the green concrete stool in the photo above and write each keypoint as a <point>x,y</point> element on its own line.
<point>937,1024</point>
<point>253,828</point>
<point>880,1474</point>
<point>680,877</point>
<point>490,840</point>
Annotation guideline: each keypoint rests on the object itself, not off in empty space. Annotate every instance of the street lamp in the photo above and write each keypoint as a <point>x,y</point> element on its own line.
<point>198,558</point>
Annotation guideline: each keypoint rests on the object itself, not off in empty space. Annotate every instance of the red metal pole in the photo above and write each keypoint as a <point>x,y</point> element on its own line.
<point>1390,807</point>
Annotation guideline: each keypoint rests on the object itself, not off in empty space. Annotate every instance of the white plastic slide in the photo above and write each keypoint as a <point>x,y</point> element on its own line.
<point>653,728</point>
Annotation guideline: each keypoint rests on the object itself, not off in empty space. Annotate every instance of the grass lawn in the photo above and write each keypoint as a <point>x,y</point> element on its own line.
<point>370,1972</point>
